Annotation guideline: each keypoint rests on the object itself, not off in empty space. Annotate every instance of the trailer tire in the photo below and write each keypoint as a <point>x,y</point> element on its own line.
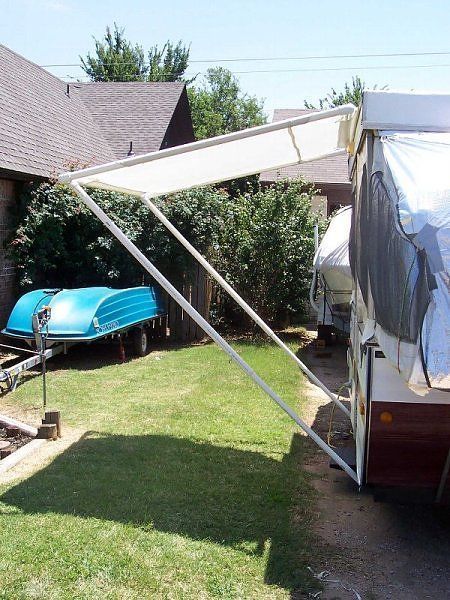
<point>141,341</point>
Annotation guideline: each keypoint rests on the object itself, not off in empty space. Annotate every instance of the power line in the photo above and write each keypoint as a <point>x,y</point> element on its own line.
<point>319,70</point>
<point>281,58</point>
<point>324,57</point>
<point>355,68</point>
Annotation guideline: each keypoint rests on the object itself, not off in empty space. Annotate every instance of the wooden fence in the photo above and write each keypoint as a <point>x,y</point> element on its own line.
<point>197,290</point>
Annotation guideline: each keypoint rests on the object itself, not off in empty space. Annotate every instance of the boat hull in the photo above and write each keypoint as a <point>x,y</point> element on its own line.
<point>86,314</point>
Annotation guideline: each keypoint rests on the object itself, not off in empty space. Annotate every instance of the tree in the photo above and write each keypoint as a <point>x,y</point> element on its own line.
<point>219,106</point>
<point>117,59</point>
<point>59,244</point>
<point>169,63</point>
<point>352,94</point>
<point>262,242</point>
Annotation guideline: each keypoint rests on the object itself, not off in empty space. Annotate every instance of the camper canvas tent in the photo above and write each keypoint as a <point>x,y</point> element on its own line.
<point>399,245</point>
<point>413,170</point>
<point>251,151</point>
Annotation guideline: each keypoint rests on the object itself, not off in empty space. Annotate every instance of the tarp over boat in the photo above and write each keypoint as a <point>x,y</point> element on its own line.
<point>332,282</point>
<point>86,313</point>
<point>332,259</point>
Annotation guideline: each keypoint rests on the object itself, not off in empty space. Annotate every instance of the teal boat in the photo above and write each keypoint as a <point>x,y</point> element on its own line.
<point>86,314</point>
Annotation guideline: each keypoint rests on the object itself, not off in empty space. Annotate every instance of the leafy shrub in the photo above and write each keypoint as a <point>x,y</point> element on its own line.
<point>60,243</point>
<point>267,248</point>
<point>261,241</point>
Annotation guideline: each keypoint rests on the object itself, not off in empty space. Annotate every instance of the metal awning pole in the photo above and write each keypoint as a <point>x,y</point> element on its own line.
<point>207,328</point>
<point>248,309</point>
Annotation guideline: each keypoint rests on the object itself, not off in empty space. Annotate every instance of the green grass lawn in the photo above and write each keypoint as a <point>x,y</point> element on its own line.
<point>188,482</point>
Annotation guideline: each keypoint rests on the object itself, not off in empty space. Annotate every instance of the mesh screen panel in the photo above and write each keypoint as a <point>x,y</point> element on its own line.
<point>358,232</point>
<point>396,269</point>
<point>398,279</point>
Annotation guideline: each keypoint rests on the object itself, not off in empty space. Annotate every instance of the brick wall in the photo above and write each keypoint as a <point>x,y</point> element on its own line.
<point>8,191</point>
<point>337,195</point>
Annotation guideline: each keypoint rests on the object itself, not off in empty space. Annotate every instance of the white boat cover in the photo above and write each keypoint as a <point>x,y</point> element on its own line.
<point>239,154</point>
<point>419,164</point>
<point>332,259</point>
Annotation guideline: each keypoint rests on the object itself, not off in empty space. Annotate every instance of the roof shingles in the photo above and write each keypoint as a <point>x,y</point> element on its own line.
<point>141,114</point>
<point>43,128</point>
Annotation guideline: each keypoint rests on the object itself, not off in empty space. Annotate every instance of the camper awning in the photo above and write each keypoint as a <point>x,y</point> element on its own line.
<point>209,161</point>
<point>239,154</point>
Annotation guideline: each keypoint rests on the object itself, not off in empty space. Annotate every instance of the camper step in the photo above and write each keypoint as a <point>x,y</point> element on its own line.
<point>348,455</point>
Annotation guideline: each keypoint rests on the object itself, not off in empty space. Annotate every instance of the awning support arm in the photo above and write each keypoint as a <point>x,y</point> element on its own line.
<point>207,328</point>
<point>251,313</point>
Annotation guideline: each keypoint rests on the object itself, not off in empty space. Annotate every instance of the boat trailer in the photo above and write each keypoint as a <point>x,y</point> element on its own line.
<point>52,321</point>
<point>9,376</point>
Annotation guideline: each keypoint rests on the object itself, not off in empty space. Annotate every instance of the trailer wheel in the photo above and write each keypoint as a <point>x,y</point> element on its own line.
<point>141,343</point>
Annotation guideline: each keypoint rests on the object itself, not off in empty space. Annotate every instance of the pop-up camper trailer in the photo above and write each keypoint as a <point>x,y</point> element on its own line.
<point>399,258</point>
<point>399,356</point>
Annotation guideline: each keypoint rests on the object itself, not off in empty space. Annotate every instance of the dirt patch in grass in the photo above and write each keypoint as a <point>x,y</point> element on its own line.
<point>41,458</point>
<point>12,439</point>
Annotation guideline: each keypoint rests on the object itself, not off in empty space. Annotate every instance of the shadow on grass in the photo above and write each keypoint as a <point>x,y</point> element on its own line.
<point>233,497</point>
<point>87,357</point>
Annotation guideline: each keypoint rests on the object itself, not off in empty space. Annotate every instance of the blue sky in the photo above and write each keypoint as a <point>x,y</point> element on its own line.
<point>58,31</point>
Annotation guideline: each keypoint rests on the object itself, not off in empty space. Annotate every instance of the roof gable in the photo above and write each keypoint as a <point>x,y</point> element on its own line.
<point>41,126</point>
<point>47,124</point>
<point>127,112</point>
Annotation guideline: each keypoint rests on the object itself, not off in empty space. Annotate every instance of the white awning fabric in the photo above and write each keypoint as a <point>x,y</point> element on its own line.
<point>239,154</point>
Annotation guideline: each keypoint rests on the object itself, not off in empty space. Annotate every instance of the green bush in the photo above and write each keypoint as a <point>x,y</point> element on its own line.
<point>266,251</point>
<point>59,242</point>
<point>261,241</point>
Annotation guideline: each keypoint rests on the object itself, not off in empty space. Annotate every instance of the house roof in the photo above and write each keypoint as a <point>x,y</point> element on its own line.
<point>131,111</point>
<point>329,170</point>
<point>46,124</point>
